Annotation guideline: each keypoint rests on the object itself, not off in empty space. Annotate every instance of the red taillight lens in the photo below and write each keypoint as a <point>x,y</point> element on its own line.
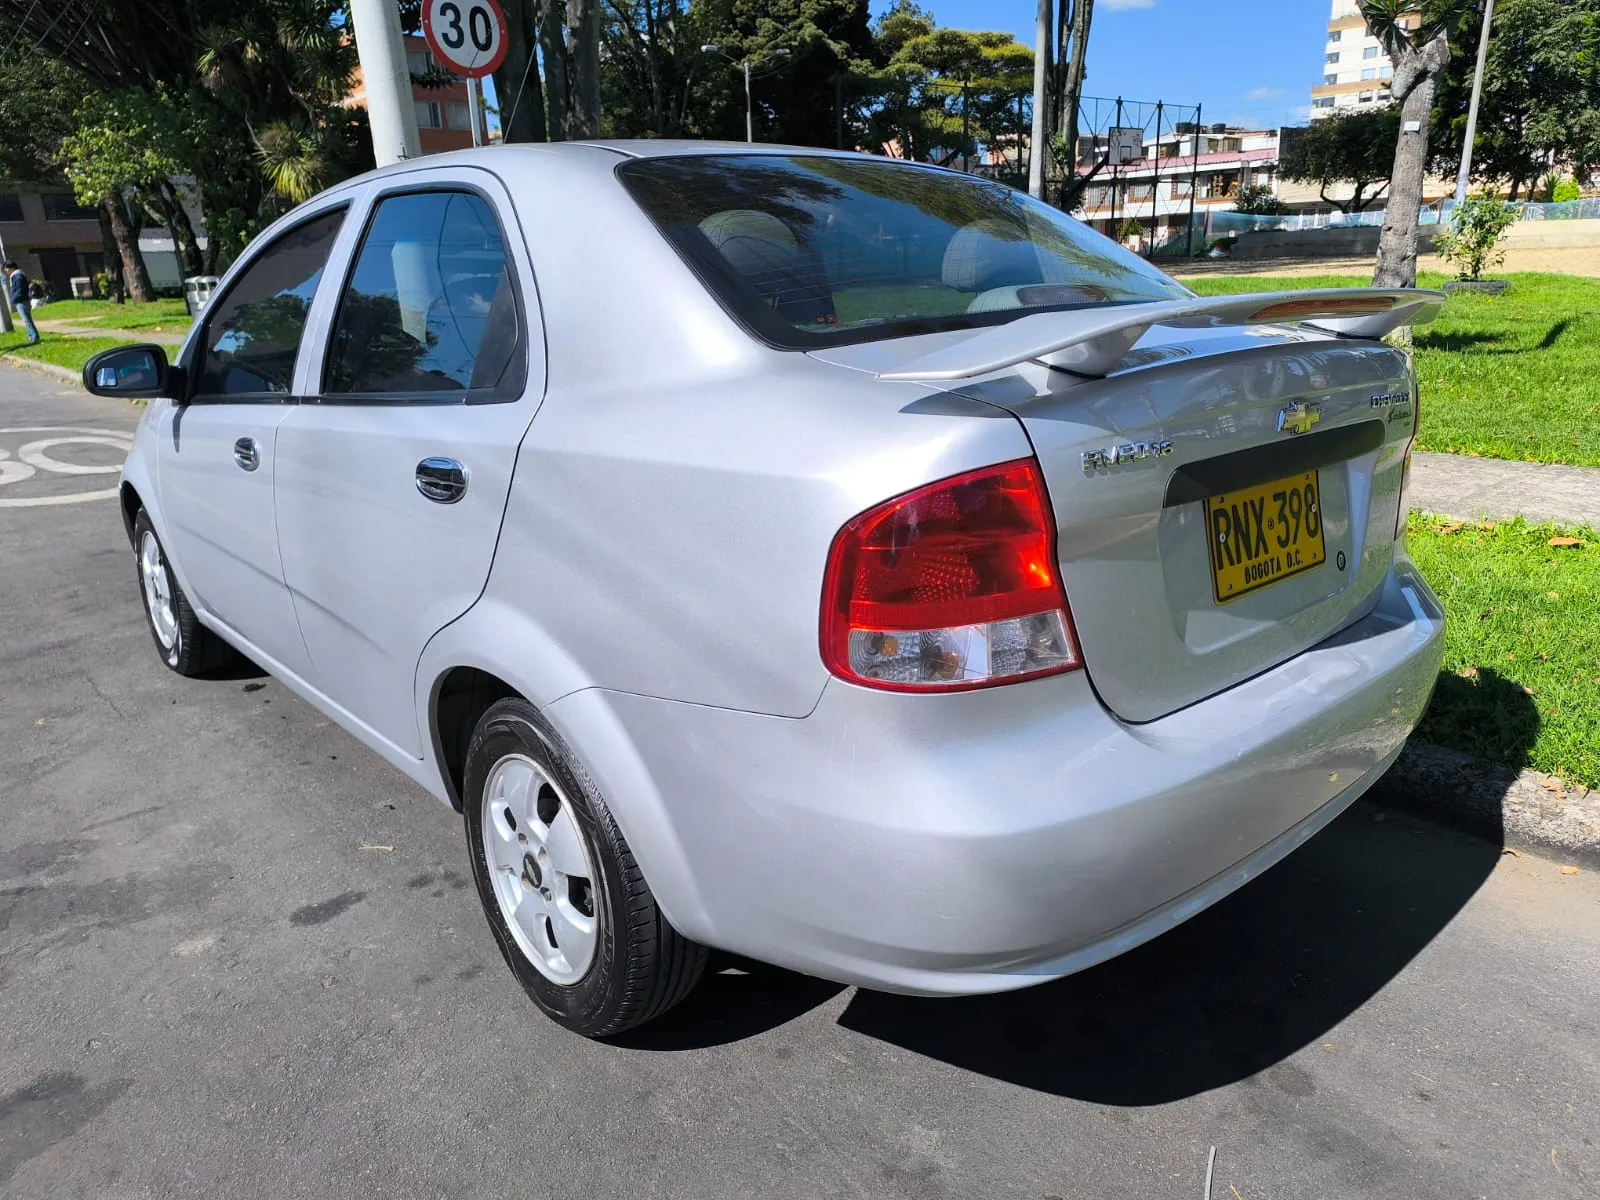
<point>951,586</point>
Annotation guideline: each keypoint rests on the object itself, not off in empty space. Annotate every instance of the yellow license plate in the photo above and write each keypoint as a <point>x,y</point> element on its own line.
<point>1264,534</point>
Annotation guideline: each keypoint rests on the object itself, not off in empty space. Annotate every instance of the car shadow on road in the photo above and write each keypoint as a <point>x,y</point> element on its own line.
<point>1236,990</point>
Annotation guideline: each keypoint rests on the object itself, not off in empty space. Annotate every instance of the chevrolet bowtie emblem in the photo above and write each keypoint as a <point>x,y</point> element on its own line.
<point>1298,418</point>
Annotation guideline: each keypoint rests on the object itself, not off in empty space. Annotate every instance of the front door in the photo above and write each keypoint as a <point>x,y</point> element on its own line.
<point>218,450</point>
<point>392,484</point>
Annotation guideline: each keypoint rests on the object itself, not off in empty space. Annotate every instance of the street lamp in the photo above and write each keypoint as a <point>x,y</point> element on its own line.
<point>749,108</point>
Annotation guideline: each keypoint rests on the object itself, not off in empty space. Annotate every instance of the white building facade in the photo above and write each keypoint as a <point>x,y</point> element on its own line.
<point>1355,70</point>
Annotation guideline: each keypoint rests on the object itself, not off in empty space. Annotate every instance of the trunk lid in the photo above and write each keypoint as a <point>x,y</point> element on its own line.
<point>1225,498</point>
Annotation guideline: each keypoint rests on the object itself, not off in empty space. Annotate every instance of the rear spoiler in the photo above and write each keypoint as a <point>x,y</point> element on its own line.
<point>1092,341</point>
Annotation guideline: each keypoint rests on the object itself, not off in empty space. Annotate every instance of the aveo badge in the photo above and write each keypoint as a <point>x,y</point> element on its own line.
<point>1123,453</point>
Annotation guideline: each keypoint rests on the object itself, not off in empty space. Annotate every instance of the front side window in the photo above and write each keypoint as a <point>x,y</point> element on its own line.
<point>253,330</point>
<point>815,250</point>
<point>430,306</point>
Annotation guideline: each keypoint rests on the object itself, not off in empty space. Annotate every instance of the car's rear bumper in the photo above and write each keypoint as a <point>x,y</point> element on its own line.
<point>994,839</point>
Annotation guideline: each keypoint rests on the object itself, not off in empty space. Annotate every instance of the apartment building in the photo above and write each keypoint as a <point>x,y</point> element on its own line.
<point>1356,70</point>
<point>1186,169</point>
<point>444,120</point>
<point>52,237</point>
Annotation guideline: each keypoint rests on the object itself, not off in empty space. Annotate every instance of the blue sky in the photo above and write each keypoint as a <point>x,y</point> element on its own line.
<point>1244,61</point>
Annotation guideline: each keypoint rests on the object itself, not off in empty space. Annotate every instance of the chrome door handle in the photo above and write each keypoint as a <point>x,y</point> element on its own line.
<point>442,480</point>
<point>247,454</point>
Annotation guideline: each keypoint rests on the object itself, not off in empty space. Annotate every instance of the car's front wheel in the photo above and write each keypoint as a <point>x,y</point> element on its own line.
<point>184,644</point>
<point>568,905</point>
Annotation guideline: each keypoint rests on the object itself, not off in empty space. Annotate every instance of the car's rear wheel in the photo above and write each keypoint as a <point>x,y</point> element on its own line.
<point>569,907</point>
<point>184,644</point>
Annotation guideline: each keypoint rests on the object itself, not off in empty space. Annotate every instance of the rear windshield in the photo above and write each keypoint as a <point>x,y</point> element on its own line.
<point>814,250</point>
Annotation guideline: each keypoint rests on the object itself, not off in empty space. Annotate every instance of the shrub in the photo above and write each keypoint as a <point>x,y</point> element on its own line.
<point>1130,229</point>
<point>1564,191</point>
<point>1479,223</point>
<point>1260,202</point>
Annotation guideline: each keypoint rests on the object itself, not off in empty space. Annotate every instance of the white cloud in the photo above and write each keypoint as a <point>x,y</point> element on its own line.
<point>1263,93</point>
<point>1115,5</point>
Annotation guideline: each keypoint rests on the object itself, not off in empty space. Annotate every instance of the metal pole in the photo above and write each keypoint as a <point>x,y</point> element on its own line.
<point>1472,110</point>
<point>749,109</point>
<point>838,109</point>
<point>966,132</point>
<point>1155,184</point>
<point>390,105</point>
<point>1041,101</point>
<point>1116,182</point>
<point>474,110</point>
<point>1194,175</point>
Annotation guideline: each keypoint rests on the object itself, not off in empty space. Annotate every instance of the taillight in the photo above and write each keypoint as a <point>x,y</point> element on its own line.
<point>951,586</point>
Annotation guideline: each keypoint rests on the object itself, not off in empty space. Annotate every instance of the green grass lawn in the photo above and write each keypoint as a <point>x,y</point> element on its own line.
<point>71,352</point>
<point>1521,677</point>
<point>116,316</point>
<point>1504,377</point>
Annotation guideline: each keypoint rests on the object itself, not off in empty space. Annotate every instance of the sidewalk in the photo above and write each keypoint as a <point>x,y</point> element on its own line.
<point>163,337</point>
<point>1472,489</point>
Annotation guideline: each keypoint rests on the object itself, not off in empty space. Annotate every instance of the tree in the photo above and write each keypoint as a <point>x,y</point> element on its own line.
<point>1418,44</point>
<point>1541,94</point>
<point>798,96</point>
<point>1259,202</point>
<point>517,83</point>
<point>947,91</point>
<point>651,63</point>
<point>1066,77</point>
<point>37,99</point>
<point>569,45</point>
<point>1355,147</point>
<point>1472,242</point>
<point>119,154</point>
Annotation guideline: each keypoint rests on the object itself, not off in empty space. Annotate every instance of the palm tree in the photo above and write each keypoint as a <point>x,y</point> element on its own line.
<point>1417,39</point>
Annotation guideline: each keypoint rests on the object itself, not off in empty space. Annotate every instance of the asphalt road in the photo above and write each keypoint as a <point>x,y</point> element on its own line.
<point>216,980</point>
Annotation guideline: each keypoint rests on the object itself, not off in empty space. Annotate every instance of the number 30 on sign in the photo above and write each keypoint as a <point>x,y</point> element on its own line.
<point>468,37</point>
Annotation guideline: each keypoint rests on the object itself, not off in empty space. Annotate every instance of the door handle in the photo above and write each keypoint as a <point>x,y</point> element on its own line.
<point>442,480</point>
<point>247,454</point>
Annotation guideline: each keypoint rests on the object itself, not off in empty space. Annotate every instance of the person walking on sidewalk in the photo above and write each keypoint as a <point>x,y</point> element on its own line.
<point>21,304</point>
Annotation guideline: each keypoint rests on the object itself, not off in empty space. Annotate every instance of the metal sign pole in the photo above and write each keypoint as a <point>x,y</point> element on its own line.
<point>475,112</point>
<point>5,296</point>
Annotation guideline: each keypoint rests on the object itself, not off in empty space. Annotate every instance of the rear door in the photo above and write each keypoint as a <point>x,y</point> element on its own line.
<point>217,452</point>
<point>393,474</point>
<point>1224,501</point>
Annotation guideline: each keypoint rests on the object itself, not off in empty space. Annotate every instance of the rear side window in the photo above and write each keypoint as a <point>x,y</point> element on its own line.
<point>253,330</point>
<point>430,305</point>
<point>816,250</point>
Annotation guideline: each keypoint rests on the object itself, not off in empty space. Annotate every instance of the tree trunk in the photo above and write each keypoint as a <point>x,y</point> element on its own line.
<point>135,274</point>
<point>1414,79</point>
<point>553,49</point>
<point>1073,51</point>
<point>176,219</point>
<point>521,106</point>
<point>113,257</point>
<point>583,68</point>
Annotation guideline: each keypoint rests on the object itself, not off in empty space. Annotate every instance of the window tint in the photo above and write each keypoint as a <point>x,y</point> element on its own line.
<point>253,330</point>
<point>430,305</point>
<point>820,249</point>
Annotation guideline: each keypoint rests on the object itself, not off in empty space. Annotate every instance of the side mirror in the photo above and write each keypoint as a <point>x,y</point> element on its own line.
<point>130,372</point>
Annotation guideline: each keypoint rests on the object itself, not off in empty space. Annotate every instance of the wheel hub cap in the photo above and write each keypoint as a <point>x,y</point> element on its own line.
<point>539,864</point>
<point>157,591</point>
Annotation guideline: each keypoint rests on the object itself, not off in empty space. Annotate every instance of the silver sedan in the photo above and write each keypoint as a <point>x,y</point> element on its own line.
<point>836,561</point>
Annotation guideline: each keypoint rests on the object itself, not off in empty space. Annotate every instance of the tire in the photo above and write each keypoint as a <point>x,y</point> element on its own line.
<point>185,645</point>
<point>525,790</point>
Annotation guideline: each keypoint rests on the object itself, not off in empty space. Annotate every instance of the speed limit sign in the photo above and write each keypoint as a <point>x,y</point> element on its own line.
<point>468,37</point>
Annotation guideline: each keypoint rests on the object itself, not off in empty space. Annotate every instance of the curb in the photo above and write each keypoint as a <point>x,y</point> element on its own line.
<point>1524,809</point>
<point>65,373</point>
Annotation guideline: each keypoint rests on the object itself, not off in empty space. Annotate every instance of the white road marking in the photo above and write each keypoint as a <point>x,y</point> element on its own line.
<point>33,458</point>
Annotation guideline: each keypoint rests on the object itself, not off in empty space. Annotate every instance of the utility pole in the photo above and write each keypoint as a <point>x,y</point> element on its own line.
<point>1041,102</point>
<point>388,81</point>
<point>1472,111</point>
<point>749,108</point>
